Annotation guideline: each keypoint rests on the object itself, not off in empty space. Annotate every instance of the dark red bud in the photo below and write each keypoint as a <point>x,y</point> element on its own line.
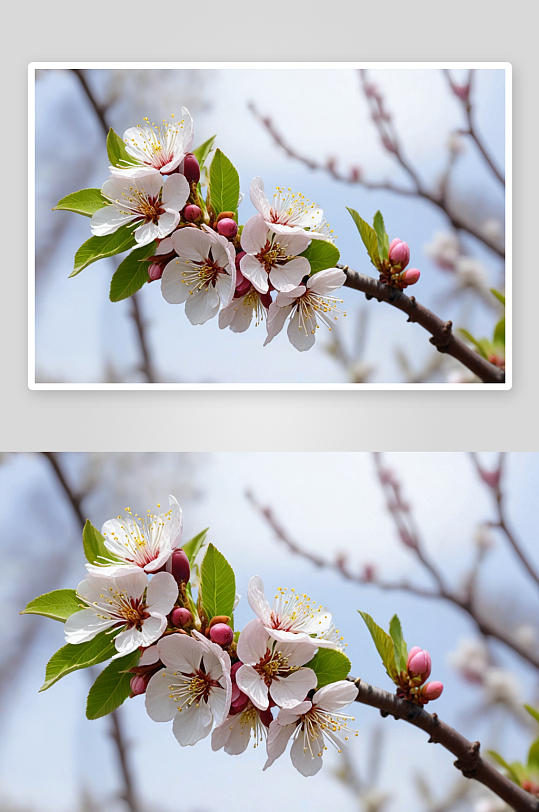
<point>155,272</point>
<point>227,228</point>
<point>138,685</point>
<point>191,168</point>
<point>181,617</point>
<point>192,213</point>
<point>178,565</point>
<point>221,634</point>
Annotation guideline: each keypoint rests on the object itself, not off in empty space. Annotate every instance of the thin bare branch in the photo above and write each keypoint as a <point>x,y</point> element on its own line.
<point>469,761</point>
<point>442,336</point>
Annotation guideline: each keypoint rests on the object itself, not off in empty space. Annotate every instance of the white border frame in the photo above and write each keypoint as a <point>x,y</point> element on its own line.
<point>33,66</point>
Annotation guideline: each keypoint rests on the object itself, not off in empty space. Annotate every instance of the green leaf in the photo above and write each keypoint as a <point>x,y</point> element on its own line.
<point>514,770</point>
<point>321,255</point>
<point>384,645</point>
<point>224,184</point>
<point>112,687</point>
<point>469,337</point>
<point>381,235</point>
<point>202,152</point>
<point>192,547</point>
<point>532,712</point>
<point>118,155</point>
<point>401,649</point>
<point>132,273</point>
<point>73,657</point>
<point>85,201</point>
<point>94,545</point>
<point>217,584</point>
<point>100,247</point>
<point>499,333</point>
<point>58,605</point>
<point>500,297</point>
<point>368,235</point>
<point>533,756</point>
<point>329,665</point>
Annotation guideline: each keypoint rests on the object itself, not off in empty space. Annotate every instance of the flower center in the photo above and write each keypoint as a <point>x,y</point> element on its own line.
<point>142,540</point>
<point>202,275</point>
<point>191,688</point>
<point>158,143</point>
<point>271,255</point>
<point>312,306</point>
<point>290,208</point>
<point>272,665</point>
<point>317,726</point>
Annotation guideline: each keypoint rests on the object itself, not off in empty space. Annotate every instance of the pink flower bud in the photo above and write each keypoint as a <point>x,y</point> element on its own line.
<point>178,565</point>
<point>192,213</point>
<point>432,690</point>
<point>242,283</point>
<point>155,272</point>
<point>227,228</point>
<point>462,91</point>
<point>399,253</point>
<point>221,634</point>
<point>410,277</point>
<point>138,685</point>
<point>233,670</point>
<point>266,717</point>
<point>191,168</point>
<point>419,663</point>
<point>181,617</point>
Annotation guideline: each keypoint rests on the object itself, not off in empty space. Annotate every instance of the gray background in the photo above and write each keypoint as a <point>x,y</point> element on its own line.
<point>493,31</point>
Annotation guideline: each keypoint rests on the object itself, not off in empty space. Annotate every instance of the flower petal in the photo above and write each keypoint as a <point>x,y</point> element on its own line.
<point>252,684</point>
<point>192,724</point>
<point>327,281</point>
<point>254,235</point>
<point>288,276</point>
<point>255,272</point>
<point>191,243</point>
<point>302,334</point>
<point>161,707</point>
<point>219,706</point>
<point>258,197</point>
<point>84,625</point>
<point>129,640</point>
<point>180,652</point>
<point>162,593</point>
<point>335,696</point>
<point>253,642</point>
<point>174,288</point>
<point>150,656</point>
<point>257,599</point>
<point>289,691</point>
<point>175,192</point>
<point>307,760</point>
<point>202,305</point>
<point>278,737</point>
<point>152,628</point>
<point>108,220</point>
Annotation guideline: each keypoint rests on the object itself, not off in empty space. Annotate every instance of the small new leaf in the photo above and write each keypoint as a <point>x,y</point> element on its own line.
<point>515,770</point>
<point>132,273</point>
<point>381,235</point>
<point>321,255</point>
<point>202,152</point>
<point>94,546</point>
<point>224,184</point>
<point>112,687</point>
<point>217,584</point>
<point>469,337</point>
<point>533,756</point>
<point>73,657</point>
<point>533,712</point>
<point>192,547</point>
<point>58,605</point>
<point>384,645</point>
<point>401,649</point>
<point>500,297</point>
<point>85,201</point>
<point>100,247</point>
<point>329,665</point>
<point>368,235</point>
<point>118,155</point>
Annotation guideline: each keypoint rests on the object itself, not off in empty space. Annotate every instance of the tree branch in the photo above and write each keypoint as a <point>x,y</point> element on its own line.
<point>147,366</point>
<point>442,336</point>
<point>355,178</point>
<point>367,577</point>
<point>117,733</point>
<point>469,761</point>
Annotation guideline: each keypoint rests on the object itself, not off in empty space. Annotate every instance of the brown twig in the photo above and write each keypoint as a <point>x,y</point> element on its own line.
<point>442,336</point>
<point>75,499</point>
<point>493,480</point>
<point>469,761</point>
<point>354,177</point>
<point>147,366</point>
<point>471,131</point>
<point>367,577</point>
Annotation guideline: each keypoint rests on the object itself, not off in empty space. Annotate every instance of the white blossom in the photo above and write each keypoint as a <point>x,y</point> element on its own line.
<point>153,147</point>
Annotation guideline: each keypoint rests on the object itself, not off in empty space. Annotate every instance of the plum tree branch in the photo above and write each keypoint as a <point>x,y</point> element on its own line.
<point>442,336</point>
<point>366,577</point>
<point>100,110</point>
<point>117,732</point>
<point>469,761</point>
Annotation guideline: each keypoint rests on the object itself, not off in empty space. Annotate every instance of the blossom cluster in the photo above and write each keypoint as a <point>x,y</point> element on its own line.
<point>259,271</point>
<point>138,606</point>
